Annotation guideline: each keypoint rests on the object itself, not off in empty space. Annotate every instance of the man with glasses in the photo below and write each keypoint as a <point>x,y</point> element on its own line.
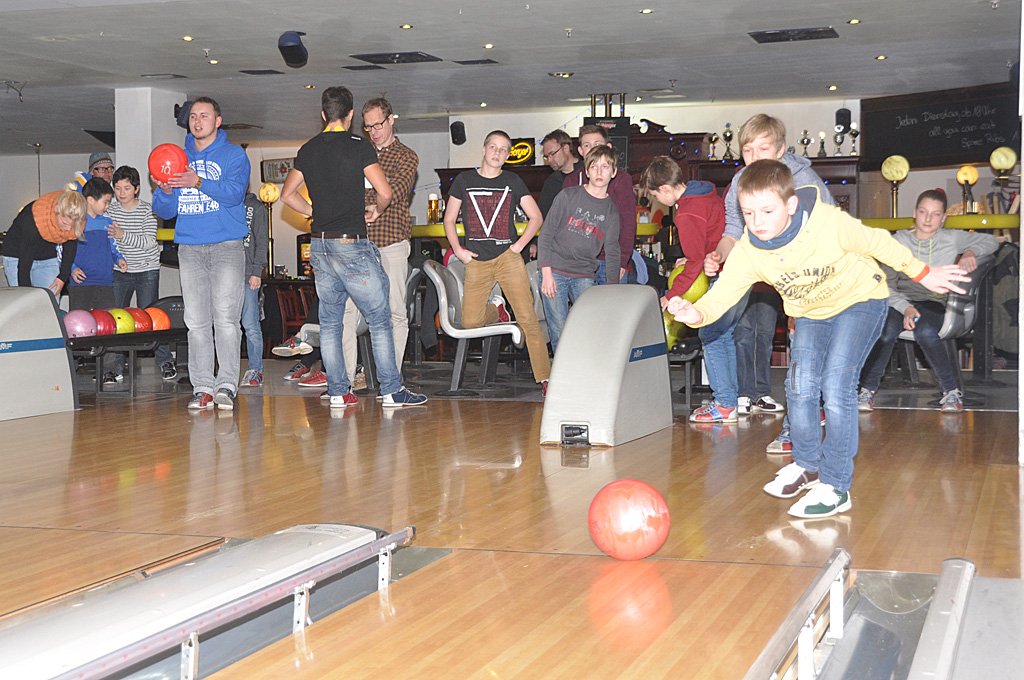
<point>101,166</point>
<point>557,149</point>
<point>390,232</point>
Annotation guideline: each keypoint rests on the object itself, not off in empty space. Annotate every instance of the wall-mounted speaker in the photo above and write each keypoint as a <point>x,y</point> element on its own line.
<point>292,49</point>
<point>843,120</point>
<point>458,130</point>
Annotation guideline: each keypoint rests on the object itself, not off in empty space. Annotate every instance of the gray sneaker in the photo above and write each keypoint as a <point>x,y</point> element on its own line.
<point>743,406</point>
<point>865,400</point>
<point>952,401</point>
<point>224,400</point>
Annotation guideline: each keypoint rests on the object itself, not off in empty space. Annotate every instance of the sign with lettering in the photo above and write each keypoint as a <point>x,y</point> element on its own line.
<point>946,127</point>
<point>521,152</point>
<point>276,169</point>
<point>618,134</point>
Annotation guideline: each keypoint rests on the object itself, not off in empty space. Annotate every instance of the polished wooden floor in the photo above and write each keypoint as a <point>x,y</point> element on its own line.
<point>120,486</point>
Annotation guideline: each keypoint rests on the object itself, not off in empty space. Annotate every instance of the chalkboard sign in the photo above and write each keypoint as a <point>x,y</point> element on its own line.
<point>946,127</point>
<point>618,134</point>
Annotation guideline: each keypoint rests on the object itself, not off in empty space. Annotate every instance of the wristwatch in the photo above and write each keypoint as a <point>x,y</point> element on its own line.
<point>199,183</point>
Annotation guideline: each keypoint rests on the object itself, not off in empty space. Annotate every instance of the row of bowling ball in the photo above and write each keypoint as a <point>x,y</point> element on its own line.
<point>79,323</point>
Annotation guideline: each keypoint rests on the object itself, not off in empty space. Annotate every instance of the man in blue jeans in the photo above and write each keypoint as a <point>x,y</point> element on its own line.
<point>333,166</point>
<point>207,198</point>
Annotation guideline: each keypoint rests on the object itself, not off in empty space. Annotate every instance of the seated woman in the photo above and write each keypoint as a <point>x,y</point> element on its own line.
<point>914,308</point>
<point>42,241</point>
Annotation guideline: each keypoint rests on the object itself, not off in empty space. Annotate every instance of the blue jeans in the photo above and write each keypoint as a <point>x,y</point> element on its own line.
<point>827,357</point>
<point>601,277</point>
<point>146,288</point>
<point>252,328</point>
<point>754,334</point>
<point>926,335</point>
<point>42,275</point>
<point>720,353</point>
<point>556,309</point>
<point>211,286</point>
<point>353,270</point>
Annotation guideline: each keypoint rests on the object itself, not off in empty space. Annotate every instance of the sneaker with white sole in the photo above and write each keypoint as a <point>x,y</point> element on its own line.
<point>714,413</point>
<point>790,481</point>
<point>296,372</point>
<point>168,371</point>
<point>767,405</point>
<point>403,397</point>
<point>503,315</point>
<point>252,378</point>
<point>224,399</point>
<point>865,400</point>
<point>952,401</point>
<point>314,379</point>
<point>200,401</point>
<point>781,444</point>
<point>823,500</point>
<point>359,380</point>
<point>291,347</point>
<point>743,406</point>
<point>343,400</point>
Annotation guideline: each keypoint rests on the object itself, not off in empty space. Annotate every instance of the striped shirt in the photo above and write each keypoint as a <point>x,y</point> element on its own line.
<point>399,164</point>
<point>138,244</point>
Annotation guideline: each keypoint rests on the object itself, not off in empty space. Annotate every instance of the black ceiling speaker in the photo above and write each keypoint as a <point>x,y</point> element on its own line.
<point>292,49</point>
<point>458,129</point>
<point>181,112</point>
<point>842,121</point>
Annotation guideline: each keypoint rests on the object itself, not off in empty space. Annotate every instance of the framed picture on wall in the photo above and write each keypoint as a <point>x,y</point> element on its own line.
<point>276,169</point>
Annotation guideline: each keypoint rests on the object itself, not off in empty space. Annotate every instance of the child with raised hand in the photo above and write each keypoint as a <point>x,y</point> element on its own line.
<point>822,262</point>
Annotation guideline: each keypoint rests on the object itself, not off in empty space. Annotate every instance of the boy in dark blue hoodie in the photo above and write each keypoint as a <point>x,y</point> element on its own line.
<point>208,201</point>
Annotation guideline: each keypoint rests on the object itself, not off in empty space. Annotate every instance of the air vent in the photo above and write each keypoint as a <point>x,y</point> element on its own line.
<point>793,34</point>
<point>475,62</point>
<point>240,126</point>
<point>161,76</point>
<point>396,57</point>
<point>261,72</point>
<point>365,67</point>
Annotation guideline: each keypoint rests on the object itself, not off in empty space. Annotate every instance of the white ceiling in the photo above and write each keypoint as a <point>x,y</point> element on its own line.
<point>68,56</point>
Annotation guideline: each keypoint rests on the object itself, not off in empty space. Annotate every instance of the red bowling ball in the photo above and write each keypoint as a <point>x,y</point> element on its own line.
<point>105,324</point>
<point>629,520</point>
<point>143,321</point>
<point>167,160</point>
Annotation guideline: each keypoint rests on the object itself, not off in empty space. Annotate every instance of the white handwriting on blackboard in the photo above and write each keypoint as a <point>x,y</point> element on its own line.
<point>972,124</point>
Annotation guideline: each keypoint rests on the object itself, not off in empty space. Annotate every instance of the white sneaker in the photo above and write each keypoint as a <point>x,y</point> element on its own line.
<point>767,405</point>
<point>790,481</point>
<point>743,406</point>
<point>952,401</point>
<point>823,500</point>
<point>865,400</point>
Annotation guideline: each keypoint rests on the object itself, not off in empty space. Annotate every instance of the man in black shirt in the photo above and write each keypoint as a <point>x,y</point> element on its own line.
<point>557,149</point>
<point>333,166</point>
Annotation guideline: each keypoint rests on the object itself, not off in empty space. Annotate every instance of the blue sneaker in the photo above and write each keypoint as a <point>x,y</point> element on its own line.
<point>782,444</point>
<point>403,397</point>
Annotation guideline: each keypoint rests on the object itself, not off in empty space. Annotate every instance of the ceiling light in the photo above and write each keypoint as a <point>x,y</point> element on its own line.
<point>833,88</point>
<point>560,74</point>
<point>186,38</point>
<point>853,22</point>
<point>214,62</point>
<point>483,105</point>
<point>489,46</point>
<point>638,98</point>
<point>309,86</point>
<point>646,10</point>
<point>405,27</point>
<point>881,57</point>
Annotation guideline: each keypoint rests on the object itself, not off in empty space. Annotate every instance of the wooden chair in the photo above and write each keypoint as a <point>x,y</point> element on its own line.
<point>449,296</point>
<point>293,314</point>
<point>307,294</point>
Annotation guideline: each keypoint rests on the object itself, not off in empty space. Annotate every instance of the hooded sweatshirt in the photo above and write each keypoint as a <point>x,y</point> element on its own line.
<point>699,220</point>
<point>97,253</point>
<point>803,175</point>
<point>215,213</point>
<point>822,264</point>
<point>621,191</point>
<point>941,249</point>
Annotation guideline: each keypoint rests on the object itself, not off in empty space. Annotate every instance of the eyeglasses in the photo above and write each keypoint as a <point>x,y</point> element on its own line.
<point>549,155</point>
<point>376,126</point>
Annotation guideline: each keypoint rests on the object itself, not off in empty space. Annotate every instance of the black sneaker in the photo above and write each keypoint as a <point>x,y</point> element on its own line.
<point>168,371</point>
<point>224,399</point>
<point>110,378</point>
